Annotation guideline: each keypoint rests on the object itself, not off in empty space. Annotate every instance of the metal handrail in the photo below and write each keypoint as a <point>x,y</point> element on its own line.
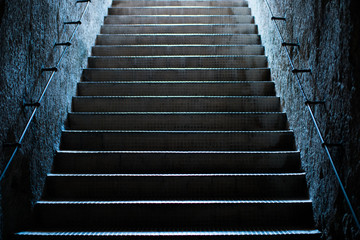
<point>53,70</point>
<point>308,104</point>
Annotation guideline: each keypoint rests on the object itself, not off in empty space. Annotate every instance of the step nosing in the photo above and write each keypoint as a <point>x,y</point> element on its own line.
<point>178,15</point>
<point>173,132</point>
<point>178,82</point>
<point>171,97</point>
<point>178,24</point>
<point>177,113</point>
<point>175,233</point>
<point>180,175</point>
<point>179,7</point>
<point>179,56</point>
<point>171,1</point>
<point>177,45</point>
<point>170,69</point>
<point>181,34</point>
<point>43,202</point>
<point>175,152</point>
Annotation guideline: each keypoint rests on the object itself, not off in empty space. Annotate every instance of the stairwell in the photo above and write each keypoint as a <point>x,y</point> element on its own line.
<point>176,133</point>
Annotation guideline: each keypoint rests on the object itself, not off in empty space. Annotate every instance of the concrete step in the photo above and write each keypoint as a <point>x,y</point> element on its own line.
<point>181,88</point>
<point>197,49</point>
<point>175,186</point>
<point>191,61</point>
<point>178,140</point>
<point>176,74</point>
<point>173,121</point>
<point>176,134</point>
<point>176,162</point>
<point>179,28</point>
<point>172,38</point>
<point>176,10</point>
<point>160,19</point>
<point>185,215</point>
<point>142,3</point>
<point>288,234</point>
<point>176,104</point>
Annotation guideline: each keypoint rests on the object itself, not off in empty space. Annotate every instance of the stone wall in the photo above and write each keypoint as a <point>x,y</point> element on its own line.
<point>328,33</point>
<point>28,32</point>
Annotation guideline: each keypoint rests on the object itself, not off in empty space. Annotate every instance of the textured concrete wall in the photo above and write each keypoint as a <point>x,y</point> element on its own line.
<point>328,31</point>
<point>28,31</point>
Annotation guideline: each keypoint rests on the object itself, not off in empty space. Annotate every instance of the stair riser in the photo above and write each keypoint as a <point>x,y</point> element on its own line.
<point>186,74</point>
<point>177,122</point>
<point>177,62</point>
<point>135,50</point>
<point>246,141</point>
<point>191,28</point>
<point>188,216</point>
<point>176,162</point>
<point>174,188</point>
<point>178,104</point>
<point>173,89</point>
<point>179,3</point>
<point>180,11</point>
<point>153,19</point>
<point>109,39</point>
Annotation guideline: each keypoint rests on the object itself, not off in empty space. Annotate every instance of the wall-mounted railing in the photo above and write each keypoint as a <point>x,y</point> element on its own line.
<point>66,45</point>
<point>308,103</point>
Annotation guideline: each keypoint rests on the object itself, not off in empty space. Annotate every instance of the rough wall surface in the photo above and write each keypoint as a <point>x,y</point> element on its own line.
<point>28,31</point>
<point>328,32</point>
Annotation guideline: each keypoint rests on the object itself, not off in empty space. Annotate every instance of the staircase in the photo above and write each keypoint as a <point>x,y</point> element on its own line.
<point>176,133</point>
